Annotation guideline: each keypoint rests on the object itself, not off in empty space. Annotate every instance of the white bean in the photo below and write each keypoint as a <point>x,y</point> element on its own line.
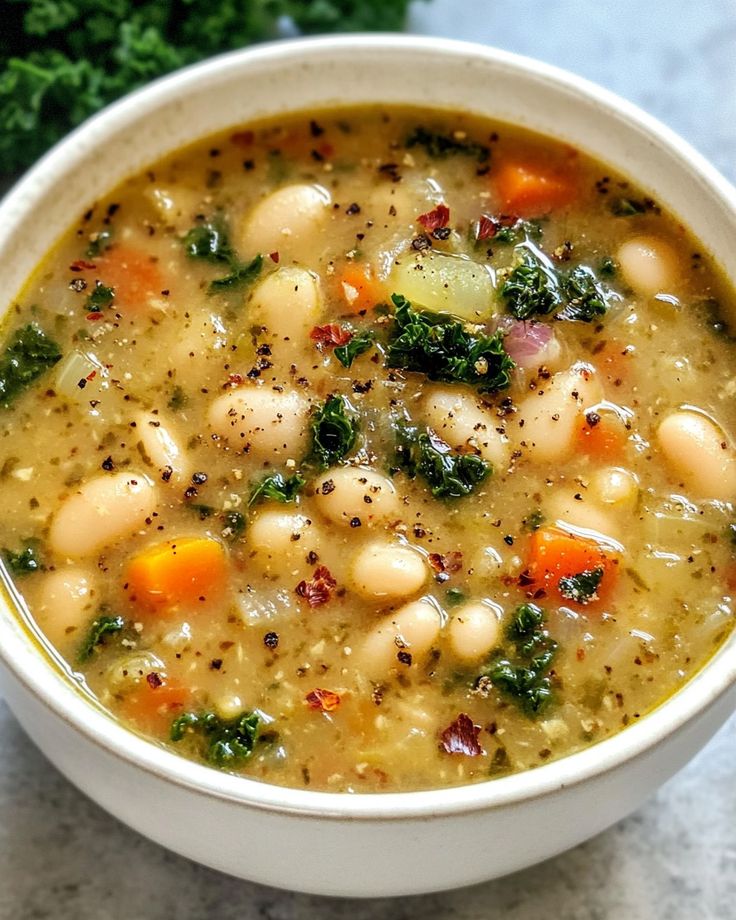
<point>66,604</point>
<point>409,633</point>
<point>582,513</point>
<point>285,304</point>
<point>614,486</point>
<point>262,422</point>
<point>102,510</point>
<point>699,453</point>
<point>387,571</point>
<point>286,222</point>
<point>549,418</point>
<point>280,541</point>
<point>129,672</point>
<point>350,494</point>
<point>648,264</point>
<point>160,447</point>
<point>473,631</point>
<point>460,421</point>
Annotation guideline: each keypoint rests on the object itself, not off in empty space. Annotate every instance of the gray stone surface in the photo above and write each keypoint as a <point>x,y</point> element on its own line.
<point>61,857</point>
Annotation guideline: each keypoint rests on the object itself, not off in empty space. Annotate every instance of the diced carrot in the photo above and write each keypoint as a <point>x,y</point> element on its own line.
<point>556,554</point>
<point>528,190</point>
<point>604,439</point>
<point>152,708</point>
<point>359,289</point>
<point>186,572</point>
<point>132,274</point>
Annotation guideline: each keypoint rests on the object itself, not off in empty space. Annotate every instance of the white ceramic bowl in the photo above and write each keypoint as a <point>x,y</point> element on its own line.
<point>359,845</point>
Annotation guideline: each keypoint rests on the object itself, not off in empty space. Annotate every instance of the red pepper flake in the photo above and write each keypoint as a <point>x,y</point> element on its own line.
<point>242,138</point>
<point>487,228</point>
<point>154,680</point>
<point>94,316</point>
<point>323,700</point>
<point>274,257</point>
<point>326,150</point>
<point>92,375</point>
<point>446,562</point>
<point>435,219</point>
<point>82,265</point>
<point>330,335</point>
<point>461,737</point>
<point>233,380</point>
<point>318,590</point>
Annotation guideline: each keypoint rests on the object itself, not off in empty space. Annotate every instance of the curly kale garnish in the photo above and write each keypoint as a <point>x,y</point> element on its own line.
<point>26,561</point>
<point>210,242</point>
<point>583,587</point>
<point>449,474</point>
<point>444,348</point>
<point>535,288</point>
<point>334,431</point>
<point>221,742</point>
<point>358,345</point>
<point>29,353</point>
<point>522,671</point>
<point>277,487</point>
<point>101,627</point>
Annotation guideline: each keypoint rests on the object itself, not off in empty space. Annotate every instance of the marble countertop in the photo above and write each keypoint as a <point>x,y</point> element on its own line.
<point>63,858</point>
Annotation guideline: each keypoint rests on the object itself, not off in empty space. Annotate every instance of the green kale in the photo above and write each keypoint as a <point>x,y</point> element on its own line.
<point>234,522</point>
<point>278,488</point>
<point>209,241</point>
<point>29,353</point>
<point>221,742</point>
<point>608,268</point>
<point>533,521</point>
<point>358,345</point>
<point>102,626</point>
<point>587,298</point>
<point>449,474</point>
<point>517,231</point>
<point>204,511</point>
<point>523,671</point>
<point>63,60</point>
<point>444,348</point>
<point>532,288</point>
<point>99,244</point>
<point>101,296</point>
<point>582,587</point>
<point>26,561</point>
<point>240,275</point>
<point>454,596</point>
<point>334,431</point>
<point>627,207</point>
<point>438,146</point>
<point>178,398</point>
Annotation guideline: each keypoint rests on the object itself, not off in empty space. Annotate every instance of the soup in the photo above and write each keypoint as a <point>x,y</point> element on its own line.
<point>373,450</point>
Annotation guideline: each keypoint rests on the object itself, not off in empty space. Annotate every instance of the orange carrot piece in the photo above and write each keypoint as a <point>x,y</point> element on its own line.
<point>531,191</point>
<point>132,275</point>
<point>152,707</point>
<point>604,440</point>
<point>359,289</point>
<point>185,572</point>
<point>556,554</point>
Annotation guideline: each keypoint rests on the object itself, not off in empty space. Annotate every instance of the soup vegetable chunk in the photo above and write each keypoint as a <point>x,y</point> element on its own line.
<point>373,450</point>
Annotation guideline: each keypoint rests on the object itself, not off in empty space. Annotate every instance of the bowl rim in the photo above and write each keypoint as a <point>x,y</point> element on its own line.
<point>58,694</point>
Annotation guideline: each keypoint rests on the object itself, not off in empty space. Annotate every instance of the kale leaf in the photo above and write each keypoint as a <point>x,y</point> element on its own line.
<point>438,146</point>
<point>241,274</point>
<point>26,561</point>
<point>101,296</point>
<point>587,298</point>
<point>222,742</point>
<point>532,288</point>
<point>63,60</point>
<point>358,345</point>
<point>627,207</point>
<point>27,356</point>
<point>449,474</point>
<point>523,673</point>
<point>446,349</point>
<point>102,626</point>
<point>234,522</point>
<point>100,242</point>
<point>210,242</point>
<point>582,587</point>
<point>277,487</point>
<point>334,431</point>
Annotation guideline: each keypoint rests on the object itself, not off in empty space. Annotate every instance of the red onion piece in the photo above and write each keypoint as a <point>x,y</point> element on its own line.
<point>526,342</point>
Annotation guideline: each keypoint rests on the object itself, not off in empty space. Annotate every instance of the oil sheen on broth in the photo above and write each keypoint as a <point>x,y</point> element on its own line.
<point>373,450</point>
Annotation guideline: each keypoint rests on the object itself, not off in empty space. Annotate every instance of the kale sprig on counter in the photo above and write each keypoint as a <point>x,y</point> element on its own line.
<point>63,60</point>
<point>447,349</point>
